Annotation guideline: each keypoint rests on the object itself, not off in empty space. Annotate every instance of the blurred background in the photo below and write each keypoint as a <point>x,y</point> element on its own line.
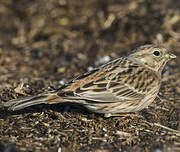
<point>47,42</point>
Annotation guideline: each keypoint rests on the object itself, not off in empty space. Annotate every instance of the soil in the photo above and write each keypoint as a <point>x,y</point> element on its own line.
<point>43,44</point>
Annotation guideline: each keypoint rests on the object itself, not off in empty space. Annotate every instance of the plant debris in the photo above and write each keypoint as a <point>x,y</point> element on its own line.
<point>43,44</point>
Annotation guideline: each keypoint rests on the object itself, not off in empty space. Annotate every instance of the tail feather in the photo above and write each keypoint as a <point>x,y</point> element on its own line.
<point>18,104</point>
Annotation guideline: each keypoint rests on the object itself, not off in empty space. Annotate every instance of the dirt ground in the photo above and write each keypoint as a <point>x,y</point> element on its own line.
<point>45,43</point>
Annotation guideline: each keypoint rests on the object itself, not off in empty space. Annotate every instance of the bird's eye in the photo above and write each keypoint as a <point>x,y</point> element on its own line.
<point>156,53</point>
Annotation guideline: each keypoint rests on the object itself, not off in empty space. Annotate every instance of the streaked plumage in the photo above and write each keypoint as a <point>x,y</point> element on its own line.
<point>124,85</point>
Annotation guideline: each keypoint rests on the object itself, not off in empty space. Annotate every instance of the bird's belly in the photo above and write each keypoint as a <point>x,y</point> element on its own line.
<point>122,106</point>
<point>146,101</point>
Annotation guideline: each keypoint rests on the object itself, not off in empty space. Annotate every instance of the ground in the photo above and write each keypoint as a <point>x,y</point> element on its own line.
<point>43,44</point>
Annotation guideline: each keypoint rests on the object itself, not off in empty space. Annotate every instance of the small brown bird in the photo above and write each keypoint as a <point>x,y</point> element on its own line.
<point>123,85</point>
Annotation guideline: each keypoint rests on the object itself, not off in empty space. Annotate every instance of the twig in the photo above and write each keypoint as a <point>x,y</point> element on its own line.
<point>164,127</point>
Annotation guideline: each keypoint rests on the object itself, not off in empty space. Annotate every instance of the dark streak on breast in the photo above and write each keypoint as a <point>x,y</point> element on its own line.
<point>139,78</point>
<point>131,81</point>
<point>140,71</point>
<point>141,85</point>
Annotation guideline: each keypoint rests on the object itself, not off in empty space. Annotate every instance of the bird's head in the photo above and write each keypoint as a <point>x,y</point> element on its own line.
<point>152,56</point>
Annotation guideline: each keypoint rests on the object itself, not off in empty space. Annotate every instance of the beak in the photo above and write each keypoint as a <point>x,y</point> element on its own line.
<point>172,56</point>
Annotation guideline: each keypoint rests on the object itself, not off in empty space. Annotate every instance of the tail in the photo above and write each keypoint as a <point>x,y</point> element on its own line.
<point>18,104</point>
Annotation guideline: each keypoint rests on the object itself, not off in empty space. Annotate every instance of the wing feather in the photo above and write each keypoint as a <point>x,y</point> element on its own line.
<point>107,84</point>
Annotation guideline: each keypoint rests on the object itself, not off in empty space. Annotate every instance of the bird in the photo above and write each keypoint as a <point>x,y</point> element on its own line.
<point>124,85</point>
